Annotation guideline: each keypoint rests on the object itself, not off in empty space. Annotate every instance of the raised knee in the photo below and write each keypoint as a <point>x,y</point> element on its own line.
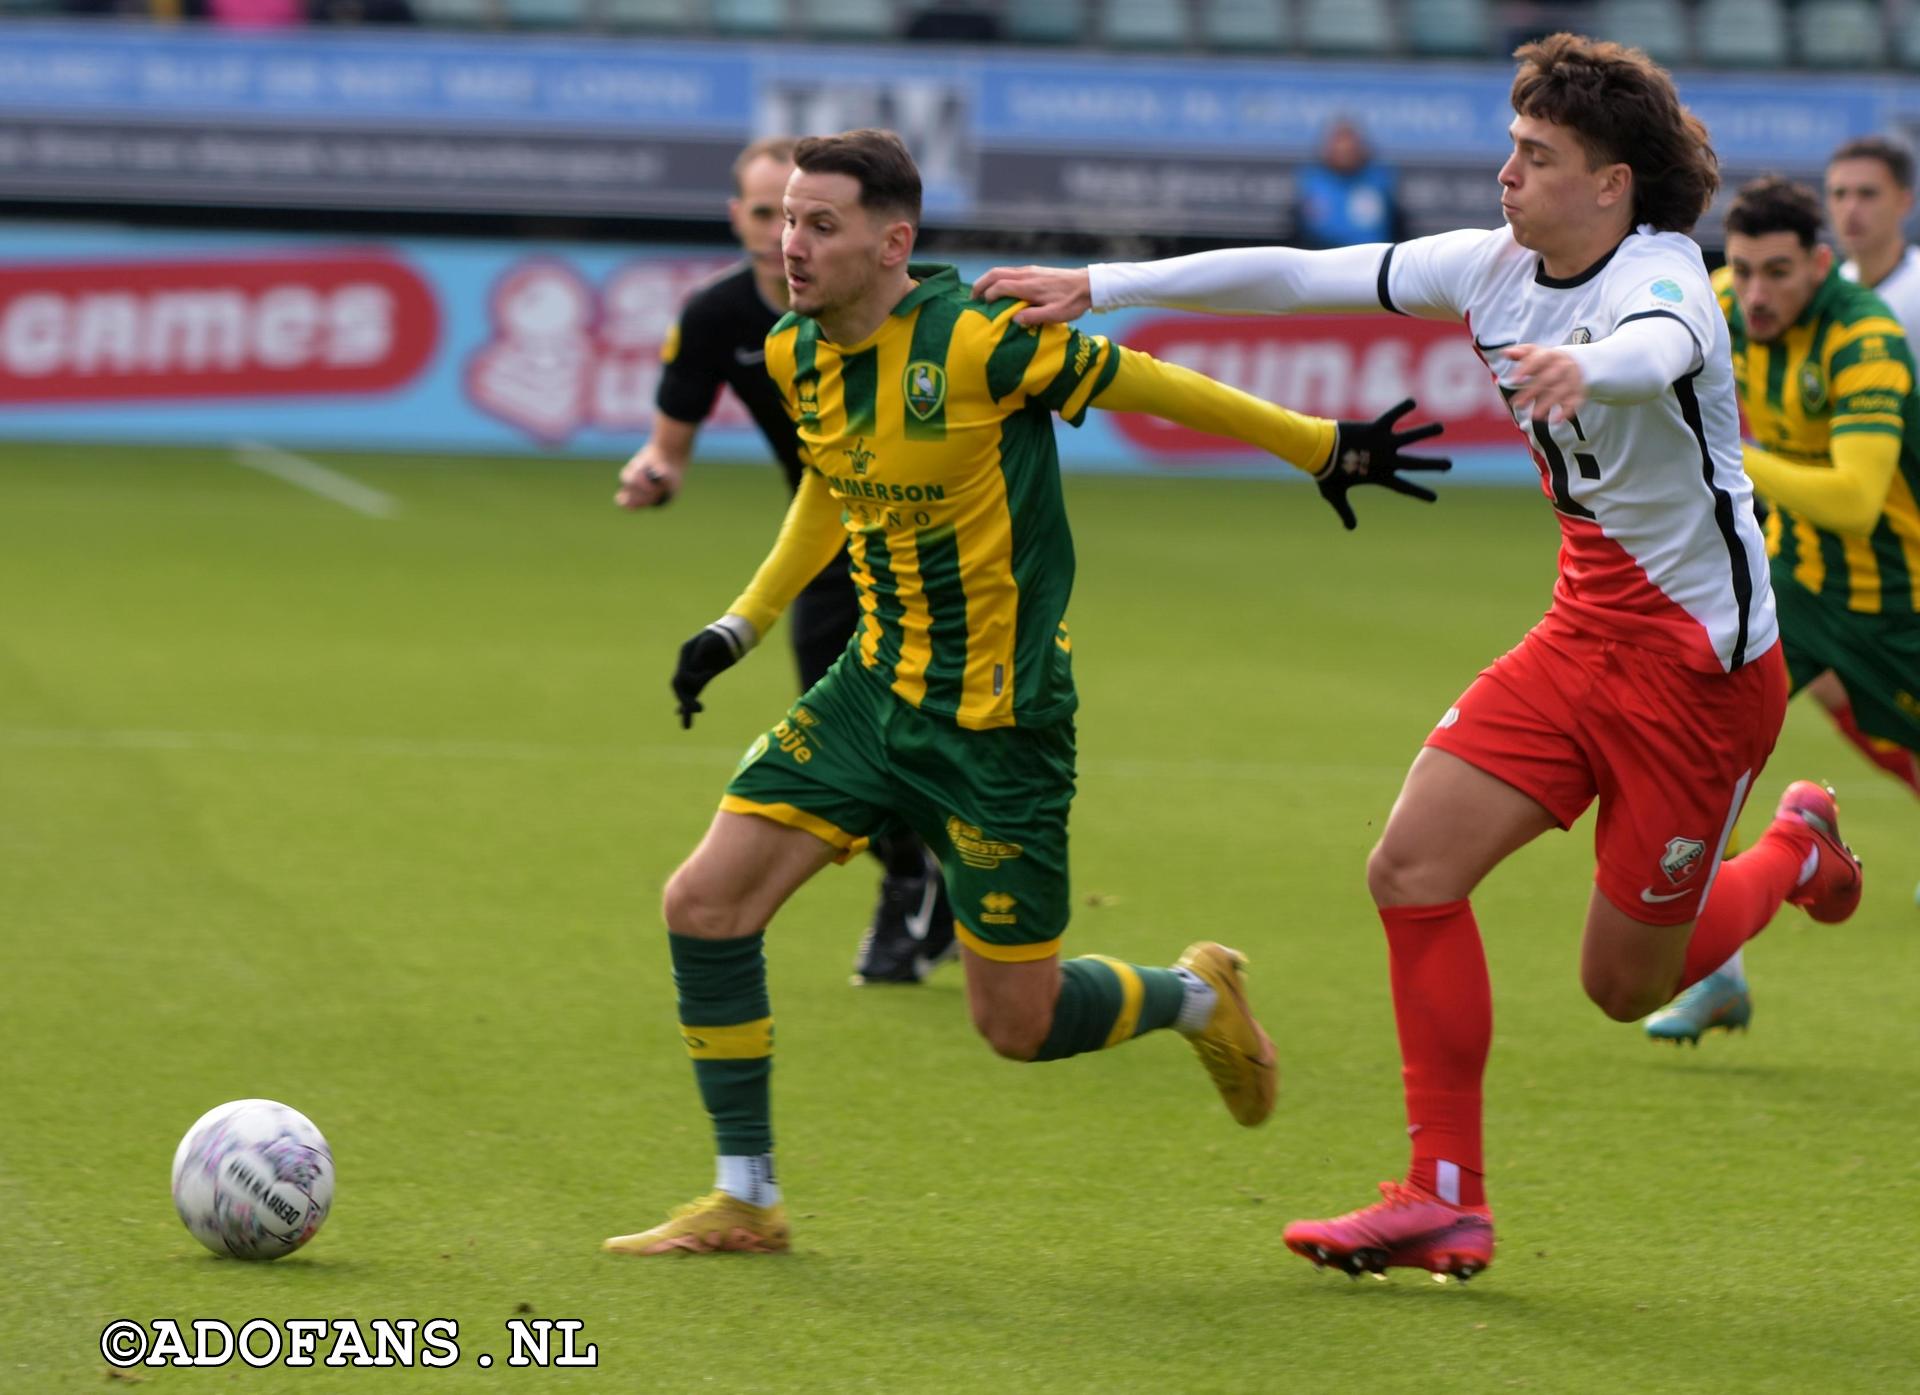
<point>1015,1038</point>
<point>691,909</point>
<point>1392,877</point>
<point>1622,1000</point>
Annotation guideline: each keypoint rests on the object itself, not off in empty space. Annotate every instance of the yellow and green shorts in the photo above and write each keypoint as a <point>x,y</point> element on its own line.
<point>851,761</point>
<point>1875,657</point>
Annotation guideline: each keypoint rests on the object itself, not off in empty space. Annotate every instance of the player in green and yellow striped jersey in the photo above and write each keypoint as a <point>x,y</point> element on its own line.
<point>925,421</point>
<point>1826,382</point>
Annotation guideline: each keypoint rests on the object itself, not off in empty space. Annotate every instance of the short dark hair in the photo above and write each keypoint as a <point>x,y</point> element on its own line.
<point>1896,157</point>
<point>1625,109</point>
<point>889,180</point>
<point>777,148</point>
<point>1774,203</point>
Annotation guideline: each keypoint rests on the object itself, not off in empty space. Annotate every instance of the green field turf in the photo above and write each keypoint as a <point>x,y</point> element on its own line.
<point>372,815</point>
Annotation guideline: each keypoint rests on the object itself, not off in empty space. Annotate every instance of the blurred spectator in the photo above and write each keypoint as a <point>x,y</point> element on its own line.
<point>255,14</point>
<point>954,22</point>
<point>1346,196</point>
<point>361,12</point>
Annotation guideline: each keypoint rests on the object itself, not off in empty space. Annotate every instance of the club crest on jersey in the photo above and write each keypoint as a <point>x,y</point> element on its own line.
<point>1582,335</point>
<point>926,387</point>
<point>806,393</point>
<point>1668,291</point>
<point>1681,857</point>
<point>1813,387</point>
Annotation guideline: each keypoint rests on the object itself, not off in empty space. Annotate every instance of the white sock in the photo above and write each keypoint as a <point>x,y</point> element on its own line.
<point>747,1177</point>
<point>1196,1006</point>
<point>1736,967</point>
<point>1810,866</point>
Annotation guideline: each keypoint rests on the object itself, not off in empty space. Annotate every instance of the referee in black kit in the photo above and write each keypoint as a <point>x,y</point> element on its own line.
<point>721,338</point>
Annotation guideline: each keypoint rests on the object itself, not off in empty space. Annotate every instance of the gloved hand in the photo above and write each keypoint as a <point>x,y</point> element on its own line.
<point>708,654</point>
<point>1368,452</point>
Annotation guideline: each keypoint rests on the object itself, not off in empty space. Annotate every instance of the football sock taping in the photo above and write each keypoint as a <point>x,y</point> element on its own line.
<point>750,1179</point>
<point>1104,1002</point>
<point>1443,1006</point>
<point>1749,889</point>
<point>1198,1000</point>
<point>727,1024</point>
<point>1736,967</point>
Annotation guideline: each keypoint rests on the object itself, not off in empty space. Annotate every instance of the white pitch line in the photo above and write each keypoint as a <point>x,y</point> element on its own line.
<point>315,478</point>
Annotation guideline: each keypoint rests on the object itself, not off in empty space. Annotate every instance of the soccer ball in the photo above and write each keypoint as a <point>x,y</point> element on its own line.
<point>253,1179</point>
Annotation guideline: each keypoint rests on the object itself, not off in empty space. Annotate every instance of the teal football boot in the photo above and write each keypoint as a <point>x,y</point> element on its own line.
<point>1717,1001</point>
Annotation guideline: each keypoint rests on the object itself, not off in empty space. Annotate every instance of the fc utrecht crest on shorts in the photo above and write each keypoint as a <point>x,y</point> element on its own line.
<point>1659,545</point>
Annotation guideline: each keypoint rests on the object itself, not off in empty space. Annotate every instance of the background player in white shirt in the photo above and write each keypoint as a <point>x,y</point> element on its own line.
<point>1869,199</point>
<point>1655,683</point>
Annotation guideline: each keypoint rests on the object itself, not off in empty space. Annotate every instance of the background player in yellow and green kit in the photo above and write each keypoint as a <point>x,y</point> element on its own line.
<point>1826,383</point>
<point>925,420</point>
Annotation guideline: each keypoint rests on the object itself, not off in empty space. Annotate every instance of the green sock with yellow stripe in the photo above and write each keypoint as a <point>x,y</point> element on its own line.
<point>727,1024</point>
<point>1104,1002</point>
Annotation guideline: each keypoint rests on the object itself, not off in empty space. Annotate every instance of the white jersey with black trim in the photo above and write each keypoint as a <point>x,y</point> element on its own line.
<point>1900,288</point>
<point>1659,544</point>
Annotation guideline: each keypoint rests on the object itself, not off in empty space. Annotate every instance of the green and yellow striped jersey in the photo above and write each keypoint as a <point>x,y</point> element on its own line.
<point>1844,366</point>
<point>935,435</point>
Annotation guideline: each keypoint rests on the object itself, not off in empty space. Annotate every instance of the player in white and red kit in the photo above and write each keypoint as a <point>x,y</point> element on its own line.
<point>1655,682</point>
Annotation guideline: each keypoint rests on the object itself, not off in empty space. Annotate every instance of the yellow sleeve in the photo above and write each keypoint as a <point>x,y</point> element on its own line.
<point>1143,383</point>
<point>812,534</point>
<point>1848,498</point>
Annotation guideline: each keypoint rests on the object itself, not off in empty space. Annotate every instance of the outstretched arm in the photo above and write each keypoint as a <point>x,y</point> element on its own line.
<point>1849,498</point>
<point>1338,454</point>
<point>809,539</point>
<point>1142,383</point>
<point>1237,281</point>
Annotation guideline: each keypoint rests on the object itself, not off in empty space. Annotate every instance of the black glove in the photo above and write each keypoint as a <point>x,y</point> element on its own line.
<point>1368,452</point>
<point>704,657</point>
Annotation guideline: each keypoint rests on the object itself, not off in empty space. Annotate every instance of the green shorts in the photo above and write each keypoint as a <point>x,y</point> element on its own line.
<point>1875,657</point>
<point>852,761</point>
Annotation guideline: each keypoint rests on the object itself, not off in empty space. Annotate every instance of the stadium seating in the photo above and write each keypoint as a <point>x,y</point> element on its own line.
<point>1242,25</point>
<point>1839,34</point>
<point>546,14</point>
<point>661,16</point>
<point>1448,28</point>
<point>1046,21</point>
<point>1151,24</point>
<point>1907,40</point>
<point>456,14</point>
<point>848,19</point>
<point>1347,26</point>
<point>1658,26</point>
<point>1742,33</point>
<point>750,17</point>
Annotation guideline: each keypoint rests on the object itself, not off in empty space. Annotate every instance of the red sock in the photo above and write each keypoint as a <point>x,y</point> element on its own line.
<point>1746,893</point>
<point>1443,1004</point>
<point>1897,761</point>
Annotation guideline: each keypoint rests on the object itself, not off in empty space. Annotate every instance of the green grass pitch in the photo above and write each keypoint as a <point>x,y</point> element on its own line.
<point>371,815</point>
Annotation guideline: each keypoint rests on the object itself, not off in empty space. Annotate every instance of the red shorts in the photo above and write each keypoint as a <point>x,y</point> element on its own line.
<point>1671,753</point>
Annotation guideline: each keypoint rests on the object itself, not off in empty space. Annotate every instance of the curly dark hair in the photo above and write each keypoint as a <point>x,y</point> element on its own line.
<point>1773,203</point>
<point>1625,110</point>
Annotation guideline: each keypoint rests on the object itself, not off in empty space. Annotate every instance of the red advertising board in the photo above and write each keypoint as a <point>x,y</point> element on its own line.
<point>195,328</point>
<point>1325,366</point>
